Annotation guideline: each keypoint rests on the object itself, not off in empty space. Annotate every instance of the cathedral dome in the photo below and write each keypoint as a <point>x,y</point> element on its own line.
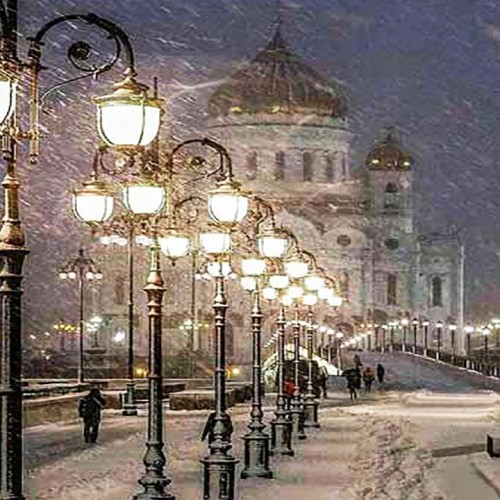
<point>388,155</point>
<point>278,81</point>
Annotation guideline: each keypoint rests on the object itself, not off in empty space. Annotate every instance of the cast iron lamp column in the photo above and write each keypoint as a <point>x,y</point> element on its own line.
<point>256,441</point>
<point>310,403</point>
<point>453,329</point>
<point>404,324</point>
<point>281,426</point>
<point>220,465</point>
<point>384,339</point>
<point>154,481</point>
<point>415,327</point>
<point>391,346</point>
<point>297,406</point>
<point>468,330</point>
<point>439,327</point>
<point>425,324</point>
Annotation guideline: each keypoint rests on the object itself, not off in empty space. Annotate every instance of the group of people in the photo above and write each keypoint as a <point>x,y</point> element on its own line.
<point>356,374</point>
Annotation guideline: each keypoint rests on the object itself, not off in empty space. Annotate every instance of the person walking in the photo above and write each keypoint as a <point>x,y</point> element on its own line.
<point>368,378</point>
<point>322,379</point>
<point>89,410</point>
<point>353,377</point>
<point>380,373</point>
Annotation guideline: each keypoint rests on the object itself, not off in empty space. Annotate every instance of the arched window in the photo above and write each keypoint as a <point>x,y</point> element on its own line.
<point>329,170</point>
<point>252,165</point>
<point>307,166</point>
<point>279,172</point>
<point>344,285</point>
<point>119,290</point>
<point>392,289</point>
<point>437,291</point>
<point>391,196</point>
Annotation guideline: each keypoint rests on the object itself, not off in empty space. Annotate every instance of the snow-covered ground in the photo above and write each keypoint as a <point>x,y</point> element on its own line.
<point>392,444</point>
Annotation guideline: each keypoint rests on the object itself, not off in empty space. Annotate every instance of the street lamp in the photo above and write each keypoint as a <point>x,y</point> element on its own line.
<point>468,331</point>
<point>404,323</point>
<point>425,324</point>
<point>310,402</point>
<point>453,329</point>
<point>12,241</point>
<point>415,327</point>
<point>81,268</point>
<point>439,327</point>
<point>384,330</point>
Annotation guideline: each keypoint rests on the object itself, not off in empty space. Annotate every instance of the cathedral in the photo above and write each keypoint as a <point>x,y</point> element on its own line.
<point>288,132</point>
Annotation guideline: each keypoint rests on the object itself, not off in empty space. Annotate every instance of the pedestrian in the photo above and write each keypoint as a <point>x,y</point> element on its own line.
<point>357,361</point>
<point>353,377</point>
<point>322,379</point>
<point>89,410</point>
<point>368,378</point>
<point>225,428</point>
<point>380,373</point>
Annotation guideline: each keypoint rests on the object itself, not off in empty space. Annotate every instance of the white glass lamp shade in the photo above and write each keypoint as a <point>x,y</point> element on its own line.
<point>98,275</point>
<point>144,199</point>
<point>215,243</point>
<point>249,283</point>
<point>314,283</point>
<point>405,322</point>
<point>439,324</point>
<point>219,269</point>
<point>270,293</point>
<point>339,335</point>
<point>325,293</point>
<point>295,291</point>
<point>72,275</point>
<point>175,245</point>
<point>309,299</point>
<point>253,267</point>
<point>279,281</point>
<point>63,275</point>
<point>287,300</point>
<point>228,203</point>
<point>105,240</point>
<point>272,245</point>
<point>296,268</point>
<point>8,89</point>
<point>89,275</point>
<point>92,203</point>
<point>452,328</point>
<point>335,301</point>
<point>128,117</point>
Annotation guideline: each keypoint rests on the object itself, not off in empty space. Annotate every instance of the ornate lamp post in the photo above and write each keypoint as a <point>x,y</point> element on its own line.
<point>122,231</point>
<point>404,323</point>
<point>485,331</point>
<point>384,340</point>
<point>468,331</point>
<point>439,327</point>
<point>453,330</point>
<point>414,324</point>
<point>310,402</point>
<point>392,325</point>
<point>257,441</point>
<point>81,268</point>
<point>12,241</point>
<point>426,324</point>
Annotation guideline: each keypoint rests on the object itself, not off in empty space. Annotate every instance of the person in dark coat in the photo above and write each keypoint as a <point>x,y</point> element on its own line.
<point>322,379</point>
<point>89,410</point>
<point>209,429</point>
<point>368,378</point>
<point>353,377</point>
<point>380,373</point>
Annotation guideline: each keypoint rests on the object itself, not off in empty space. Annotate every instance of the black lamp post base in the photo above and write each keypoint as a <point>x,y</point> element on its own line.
<point>298,417</point>
<point>311,413</point>
<point>256,455</point>
<point>281,437</point>
<point>219,476</point>
<point>129,406</point>
<point>154,488</point>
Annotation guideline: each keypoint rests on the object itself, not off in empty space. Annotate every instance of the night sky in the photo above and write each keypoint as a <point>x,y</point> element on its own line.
<point>429,67</point>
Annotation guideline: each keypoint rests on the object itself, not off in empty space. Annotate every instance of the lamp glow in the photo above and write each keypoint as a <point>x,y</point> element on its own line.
<point>270,293</point>
<point>287,300</point>
<point>215,243</point>
<point>325,293</point>
<point>248,283</point>
<point>279,281</point>
<point>143,198</point>
<point>309,299</point>
<point>219,269</point>
<point>174,245</point>
<point>314,283</point>
<point>228,203</point>
<point>92,203</point>
<point>335,301</point>
<point>295,291</point>
<point>296,268</point>
<point>253,267</point>
<point>8,89</point>
<point>273,244</point>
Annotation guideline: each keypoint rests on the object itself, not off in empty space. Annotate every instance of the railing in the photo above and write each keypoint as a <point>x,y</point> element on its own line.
<point>478,365</point>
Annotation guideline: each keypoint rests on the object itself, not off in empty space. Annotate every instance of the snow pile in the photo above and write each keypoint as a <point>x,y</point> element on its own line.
<point>388,465</point>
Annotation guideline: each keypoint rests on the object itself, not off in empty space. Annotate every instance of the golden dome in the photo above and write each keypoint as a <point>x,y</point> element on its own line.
<point>278,81</point>
<point>388,155</point>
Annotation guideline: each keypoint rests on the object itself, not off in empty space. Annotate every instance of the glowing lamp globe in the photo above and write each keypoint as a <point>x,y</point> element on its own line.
<point>335,301</point>
<point>314,283</point>
<point>144,199</point>
<point>270,293</point>
<point>128,117</point>
<point>174,245</point>
<point>279,281</point>
<point>273,244</point>
<point>309,299</point>
<point>228,203</point>
<point>92,203</point>
<point>295,291</point>
<point>215,243</point>
<point>296,268</point>
<point>287,300</point>
<point>325,293</point>
<point>8,90</point>
<point>253,267</point>
<point>248,283</point>
<point>219,269</point>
